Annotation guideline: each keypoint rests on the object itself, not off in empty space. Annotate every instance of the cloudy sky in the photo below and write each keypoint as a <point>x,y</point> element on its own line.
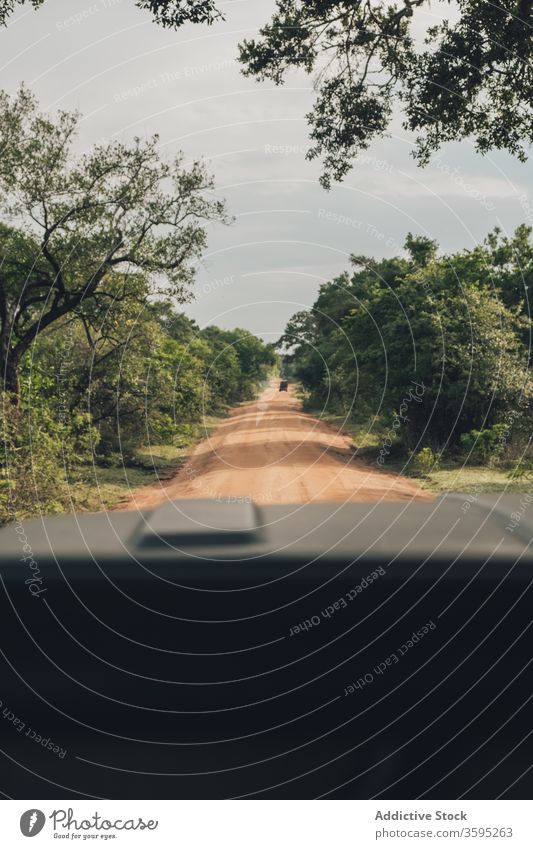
<point>129,77</point>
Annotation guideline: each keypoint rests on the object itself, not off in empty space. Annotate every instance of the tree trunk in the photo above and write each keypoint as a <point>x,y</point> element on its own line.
<point>9,374</point>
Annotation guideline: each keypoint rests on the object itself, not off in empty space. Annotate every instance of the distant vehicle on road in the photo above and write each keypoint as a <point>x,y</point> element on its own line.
<point>284,385</point>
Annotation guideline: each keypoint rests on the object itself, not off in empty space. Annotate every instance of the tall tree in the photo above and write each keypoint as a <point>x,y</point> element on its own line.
<point>82,225</point>
<point>470,78</point>
<point>451,325</point>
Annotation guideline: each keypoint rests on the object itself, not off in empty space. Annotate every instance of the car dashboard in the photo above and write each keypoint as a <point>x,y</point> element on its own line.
<point>220,649</point>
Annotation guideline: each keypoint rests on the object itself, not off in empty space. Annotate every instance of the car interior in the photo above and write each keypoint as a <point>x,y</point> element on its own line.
<point>210,649</point>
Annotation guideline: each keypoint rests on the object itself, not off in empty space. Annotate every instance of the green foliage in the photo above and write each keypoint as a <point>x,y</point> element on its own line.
<point>421,249</point>
<point>426,461</point>
<point>436,339</point>
<point>38,454</point>
<point>482,445</point>
<point>167,13</point>
<point>468,78</point>
<point>175,13</point>
<point>511,264</point>
<point>241,362</point>
<point>115,223</point>
<point>95,389</point>
<point>523,469</point>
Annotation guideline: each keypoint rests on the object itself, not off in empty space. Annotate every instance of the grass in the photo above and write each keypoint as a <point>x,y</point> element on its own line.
<point>365,433</point>
<point>473,479</point>
<point>106,484</point>
<point>103,486</point>
<point>361,434</point>
<point>452,476</point>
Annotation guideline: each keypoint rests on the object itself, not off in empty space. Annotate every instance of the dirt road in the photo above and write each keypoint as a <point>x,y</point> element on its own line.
<point>272,453</point>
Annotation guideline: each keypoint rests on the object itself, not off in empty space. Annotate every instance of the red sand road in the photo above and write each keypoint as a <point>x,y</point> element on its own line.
<point>272,453</point>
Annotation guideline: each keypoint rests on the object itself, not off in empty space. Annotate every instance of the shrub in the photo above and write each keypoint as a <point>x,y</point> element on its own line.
<point>522,469</point>
<point>484,445</point>
<point>37,455</point>
<point>426,461</point>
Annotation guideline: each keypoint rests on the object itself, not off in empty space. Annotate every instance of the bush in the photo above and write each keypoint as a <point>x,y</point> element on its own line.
<point>522,469</point>
<point>444,342</point>
<point>143,380</point>
<point>484,445</point>
<point>426,461</point>
<point>37,457</point>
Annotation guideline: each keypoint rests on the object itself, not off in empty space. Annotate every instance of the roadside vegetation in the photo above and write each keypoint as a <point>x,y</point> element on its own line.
<point>98,363</point>
<point>94,420</point>
<point>425,360</point>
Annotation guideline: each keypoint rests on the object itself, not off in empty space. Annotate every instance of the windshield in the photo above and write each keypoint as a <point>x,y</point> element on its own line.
<point>266,465</point>
<point>217,288</point>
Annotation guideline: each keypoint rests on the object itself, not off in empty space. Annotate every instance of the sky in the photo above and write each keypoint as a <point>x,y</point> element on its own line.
<point>127,76</point>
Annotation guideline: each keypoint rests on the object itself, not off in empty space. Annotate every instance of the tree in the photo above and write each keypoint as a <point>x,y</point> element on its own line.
<point>452,336</point>
<point>512,262</point>
<point>240,363</point>
<point>420,249</point>
<point>168,13</point>
<point>83,228</point>
<point>452,326</point>
<point>471,78</point>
